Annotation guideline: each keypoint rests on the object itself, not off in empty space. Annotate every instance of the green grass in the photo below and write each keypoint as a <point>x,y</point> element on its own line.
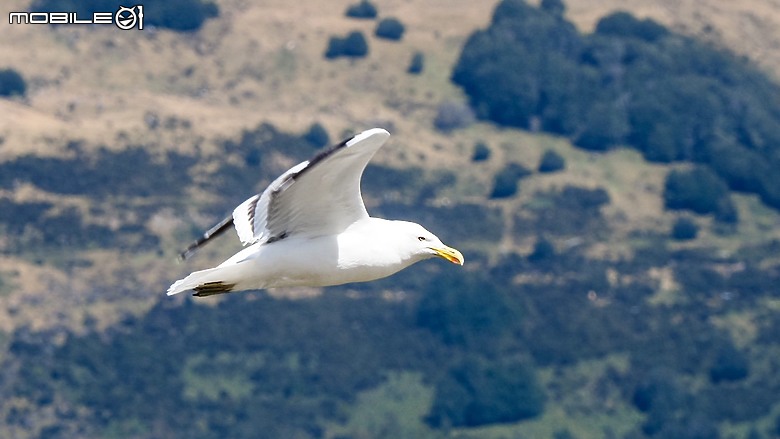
<point>6,287</point>
<point>618,420</point>
<point>226,374</point>
<point>395,409</point>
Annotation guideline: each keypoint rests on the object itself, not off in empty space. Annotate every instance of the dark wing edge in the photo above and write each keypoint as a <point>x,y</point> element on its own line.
<point>211,233</point>
<point>250,218</point>
<point>257,220</point>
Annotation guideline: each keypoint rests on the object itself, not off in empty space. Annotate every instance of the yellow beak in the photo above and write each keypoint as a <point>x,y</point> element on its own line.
<point>449,254</point>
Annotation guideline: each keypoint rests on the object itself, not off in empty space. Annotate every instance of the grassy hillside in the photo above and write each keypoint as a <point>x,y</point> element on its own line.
<point>128,144</point>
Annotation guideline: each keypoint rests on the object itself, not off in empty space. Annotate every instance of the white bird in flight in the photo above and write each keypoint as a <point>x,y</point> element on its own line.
<point>311,228</point>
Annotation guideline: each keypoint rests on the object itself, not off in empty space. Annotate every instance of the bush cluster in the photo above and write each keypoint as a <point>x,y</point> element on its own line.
<point>353,45</point>
<point>699,190</point>
<point>630,82</point>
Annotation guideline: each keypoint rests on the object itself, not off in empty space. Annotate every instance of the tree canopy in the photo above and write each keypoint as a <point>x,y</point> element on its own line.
<point>630,82</point>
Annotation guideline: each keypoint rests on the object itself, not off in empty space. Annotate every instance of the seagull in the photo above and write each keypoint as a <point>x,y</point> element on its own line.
<point>310,228</point>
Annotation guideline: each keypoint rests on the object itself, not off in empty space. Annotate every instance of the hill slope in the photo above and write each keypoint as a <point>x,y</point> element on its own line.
<point>576,295</point>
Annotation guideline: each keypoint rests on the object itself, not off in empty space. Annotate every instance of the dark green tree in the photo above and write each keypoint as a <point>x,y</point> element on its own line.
<point>554,7</point>
<point>630,82</point>
<point>740,167</point>
<point>416,64</point>
<point>452,115</point>
<point>506,180</point>
<point>478,392</point>
<point>181,15</point>
<point>12,83</point>
<point>468,311</point>
<point>335,47</point>
<point>684,229</point>
<point>354,45</point>
<point>481,152</point>
<point>363,9</point>
<point>623,24</point>
<point>604,127</point>
<point>390,29</point>
<point>543,250</point>
<point>317,135</point>
<point>729,365</point>
<point>698,189</point>
<point>551,161</point>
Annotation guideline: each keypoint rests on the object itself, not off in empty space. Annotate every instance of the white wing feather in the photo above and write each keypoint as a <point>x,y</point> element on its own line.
<point>316,197</point>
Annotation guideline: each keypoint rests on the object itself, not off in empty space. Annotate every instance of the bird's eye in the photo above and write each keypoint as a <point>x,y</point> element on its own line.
<point>421,238</point>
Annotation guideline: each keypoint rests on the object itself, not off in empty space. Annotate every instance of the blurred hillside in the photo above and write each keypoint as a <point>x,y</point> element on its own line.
<point>604,295</point>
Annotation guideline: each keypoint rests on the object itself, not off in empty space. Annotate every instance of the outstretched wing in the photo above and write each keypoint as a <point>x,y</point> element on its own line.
<point>317,197</point>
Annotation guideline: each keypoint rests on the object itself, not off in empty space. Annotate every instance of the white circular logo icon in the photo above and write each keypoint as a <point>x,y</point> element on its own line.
<point>125,18</point>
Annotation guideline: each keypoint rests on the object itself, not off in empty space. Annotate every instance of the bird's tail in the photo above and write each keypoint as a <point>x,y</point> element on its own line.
<point>205,282</point>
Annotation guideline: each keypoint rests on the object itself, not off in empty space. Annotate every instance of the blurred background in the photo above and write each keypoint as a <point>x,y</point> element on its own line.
<point>608,169</point>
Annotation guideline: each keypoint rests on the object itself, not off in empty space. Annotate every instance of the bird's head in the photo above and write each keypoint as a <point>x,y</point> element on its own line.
<point>425,244</point>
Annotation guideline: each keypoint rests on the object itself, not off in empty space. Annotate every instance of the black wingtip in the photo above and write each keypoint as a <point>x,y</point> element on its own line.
<point>210,233</point>
<point>189,251</point>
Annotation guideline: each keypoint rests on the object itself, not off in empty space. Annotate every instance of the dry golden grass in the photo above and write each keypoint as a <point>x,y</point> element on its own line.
<point>264,62</point>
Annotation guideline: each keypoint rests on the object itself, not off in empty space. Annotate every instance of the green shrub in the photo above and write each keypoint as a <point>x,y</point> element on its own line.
<point>417,64</point>
<point>465,310</point>
<point>364,9</point>
<point>390,29</point>
<point>701,191</point>
<point>354,45</point>
<point>129,172</point>
<point>729,365</point>
<point>580,198</point>
<point>658,391</point>
<point>478,392</point>
<point>543,250</point>
<point>684,229</point>
<point>317,135</point>
<point>452,115</point>
<point>335,47</point>
<point>505,181</point>
<point>551,161</point>
<point>180,15</point>
<point>481,152</point>
<point>12,83</point>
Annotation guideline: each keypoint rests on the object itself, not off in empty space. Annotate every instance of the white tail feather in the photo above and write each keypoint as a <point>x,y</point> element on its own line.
<point>197,279</point>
